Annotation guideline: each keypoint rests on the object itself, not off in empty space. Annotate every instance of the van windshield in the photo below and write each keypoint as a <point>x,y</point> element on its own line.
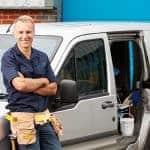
<point>47,44</point>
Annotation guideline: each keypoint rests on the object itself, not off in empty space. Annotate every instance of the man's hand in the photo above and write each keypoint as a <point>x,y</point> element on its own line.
<point>49,89</point>
<point>45,81</point>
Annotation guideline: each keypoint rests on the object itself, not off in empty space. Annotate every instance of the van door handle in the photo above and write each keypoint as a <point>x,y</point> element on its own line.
<point>107,104</point>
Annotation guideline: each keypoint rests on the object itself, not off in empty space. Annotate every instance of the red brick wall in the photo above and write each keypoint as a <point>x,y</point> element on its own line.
<point>8,16</point>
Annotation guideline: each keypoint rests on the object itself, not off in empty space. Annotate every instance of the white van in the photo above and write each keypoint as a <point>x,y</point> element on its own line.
<point>103,72</point>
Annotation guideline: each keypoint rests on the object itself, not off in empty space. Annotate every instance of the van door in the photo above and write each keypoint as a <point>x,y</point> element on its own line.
<point>88,62</point>
<point>146,35</point>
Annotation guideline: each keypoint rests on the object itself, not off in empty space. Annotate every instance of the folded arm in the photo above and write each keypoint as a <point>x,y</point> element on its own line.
<point>28,84</point>
<point>40,86</point>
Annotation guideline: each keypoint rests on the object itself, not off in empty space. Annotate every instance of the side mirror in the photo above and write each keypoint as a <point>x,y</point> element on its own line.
<point>68,91</point>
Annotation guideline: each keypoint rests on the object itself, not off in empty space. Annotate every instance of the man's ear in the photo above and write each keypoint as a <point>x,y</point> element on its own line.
<point>14,34</point>
<point>12,29</point>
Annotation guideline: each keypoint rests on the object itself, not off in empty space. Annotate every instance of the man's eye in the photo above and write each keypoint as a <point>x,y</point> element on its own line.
<point>20,32</point>
<point>28,32</point>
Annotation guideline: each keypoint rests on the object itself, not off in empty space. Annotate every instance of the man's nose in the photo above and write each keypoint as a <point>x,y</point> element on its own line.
<point>24,35</point>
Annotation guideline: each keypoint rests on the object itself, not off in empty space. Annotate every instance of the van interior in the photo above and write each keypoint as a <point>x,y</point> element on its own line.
<point>127,67</point>
<point>128,70</point>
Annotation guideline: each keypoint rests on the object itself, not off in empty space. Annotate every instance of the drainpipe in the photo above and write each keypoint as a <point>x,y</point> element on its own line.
<point>58,4</point>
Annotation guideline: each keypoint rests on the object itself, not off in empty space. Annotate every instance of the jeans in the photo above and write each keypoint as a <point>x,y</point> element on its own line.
<point>46,139</point>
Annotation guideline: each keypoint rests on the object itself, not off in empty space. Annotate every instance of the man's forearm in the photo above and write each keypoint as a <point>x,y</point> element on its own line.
<point>33,84</point>
<point>29,84</point>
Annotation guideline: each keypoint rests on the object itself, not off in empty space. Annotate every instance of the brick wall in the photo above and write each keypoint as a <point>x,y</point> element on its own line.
<point>8,16</point>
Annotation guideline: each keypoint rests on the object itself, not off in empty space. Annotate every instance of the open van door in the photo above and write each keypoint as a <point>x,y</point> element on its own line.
<point>87,61</point>
<point>145,122</point>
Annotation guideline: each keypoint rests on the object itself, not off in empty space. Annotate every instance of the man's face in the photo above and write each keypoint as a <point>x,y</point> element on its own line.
<point>24,33</point>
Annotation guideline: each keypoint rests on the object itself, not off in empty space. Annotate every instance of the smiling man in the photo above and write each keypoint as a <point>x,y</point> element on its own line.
<point>24,33</point>
<point>30,82</point>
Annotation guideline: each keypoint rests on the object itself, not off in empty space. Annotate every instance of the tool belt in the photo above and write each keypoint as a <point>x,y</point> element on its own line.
<point>23,125</point>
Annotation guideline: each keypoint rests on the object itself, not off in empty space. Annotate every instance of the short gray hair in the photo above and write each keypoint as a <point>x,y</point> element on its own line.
<point>24,18</point>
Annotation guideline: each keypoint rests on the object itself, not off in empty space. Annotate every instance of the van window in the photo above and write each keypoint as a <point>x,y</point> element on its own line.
<point>68,70</point>
<point>86,64</point>
<point>91,67</point>
<point>47,44</point>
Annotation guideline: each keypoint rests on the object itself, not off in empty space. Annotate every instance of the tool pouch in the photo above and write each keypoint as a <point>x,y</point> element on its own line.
<point>24,128</point>
<point>56,124</point>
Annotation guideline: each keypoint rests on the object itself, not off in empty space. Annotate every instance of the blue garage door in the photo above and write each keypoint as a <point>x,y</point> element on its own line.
<point>122,10</point>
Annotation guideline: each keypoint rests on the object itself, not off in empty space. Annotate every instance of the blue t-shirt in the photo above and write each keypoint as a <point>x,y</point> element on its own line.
<point>37,66</point>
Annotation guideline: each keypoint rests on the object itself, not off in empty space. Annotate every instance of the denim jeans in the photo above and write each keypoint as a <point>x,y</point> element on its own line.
<point>46,139</point>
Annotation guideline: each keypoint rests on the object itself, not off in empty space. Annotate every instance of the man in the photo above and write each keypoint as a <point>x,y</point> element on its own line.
<point>30,82</point>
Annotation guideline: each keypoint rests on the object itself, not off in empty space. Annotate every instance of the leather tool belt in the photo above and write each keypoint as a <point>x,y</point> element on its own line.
<point>23,125</point>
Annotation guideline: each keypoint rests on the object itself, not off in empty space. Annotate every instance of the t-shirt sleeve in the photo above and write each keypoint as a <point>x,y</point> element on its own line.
<point>8,68</point>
